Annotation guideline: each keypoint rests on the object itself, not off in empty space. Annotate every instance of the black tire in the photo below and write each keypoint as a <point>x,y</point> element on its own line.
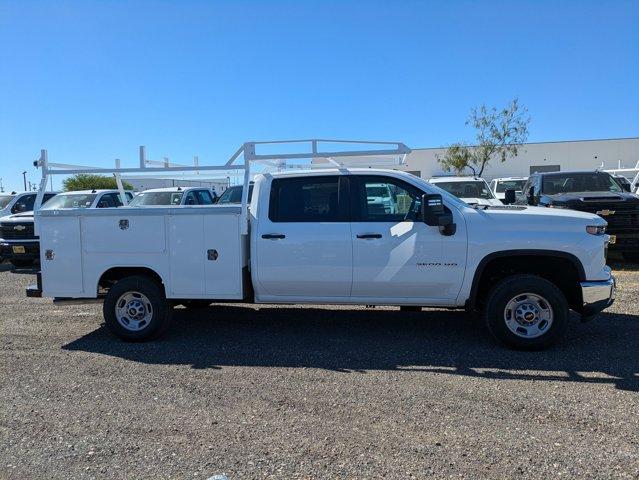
<point>22,263</point>
<point>631,257</point>
<point>160,316</point>
<point>511,287</point>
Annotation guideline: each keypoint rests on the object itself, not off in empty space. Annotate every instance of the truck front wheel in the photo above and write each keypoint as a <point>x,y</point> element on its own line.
<point>526,312</point>
<point>135,309</point>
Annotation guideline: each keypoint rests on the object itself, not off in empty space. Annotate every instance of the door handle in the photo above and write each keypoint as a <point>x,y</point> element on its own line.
<point>273,236</point>
<point>370,235</point>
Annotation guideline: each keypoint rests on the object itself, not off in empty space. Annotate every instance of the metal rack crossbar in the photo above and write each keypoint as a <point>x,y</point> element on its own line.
<point>248,152</point>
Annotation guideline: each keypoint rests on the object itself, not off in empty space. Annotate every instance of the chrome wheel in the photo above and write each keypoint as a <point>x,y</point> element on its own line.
<point>133,311</point>
<point>528,315</point>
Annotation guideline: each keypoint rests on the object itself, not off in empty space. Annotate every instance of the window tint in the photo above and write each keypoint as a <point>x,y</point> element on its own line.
<point>384,199</point>
<point>580,182</point>
<point>24,204</point>
<point>190,198</point>
<point>310,199</point>
<point>106,201</point>
<point>204,197</point>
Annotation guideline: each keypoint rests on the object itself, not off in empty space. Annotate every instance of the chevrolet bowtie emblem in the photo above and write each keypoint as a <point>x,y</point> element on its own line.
<point>605,213</point>
<point>19,228</point>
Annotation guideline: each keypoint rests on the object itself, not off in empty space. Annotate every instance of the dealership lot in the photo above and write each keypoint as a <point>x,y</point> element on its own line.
<point>310,392</point>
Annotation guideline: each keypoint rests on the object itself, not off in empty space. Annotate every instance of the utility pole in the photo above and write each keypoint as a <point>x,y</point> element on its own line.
<point>24,177</point>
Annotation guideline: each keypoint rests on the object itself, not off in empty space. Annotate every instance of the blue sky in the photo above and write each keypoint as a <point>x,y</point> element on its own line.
<point>90,81</point>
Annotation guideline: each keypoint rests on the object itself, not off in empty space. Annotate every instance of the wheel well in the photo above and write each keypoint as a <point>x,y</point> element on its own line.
<point>560,270</point>
<point>112,275</point>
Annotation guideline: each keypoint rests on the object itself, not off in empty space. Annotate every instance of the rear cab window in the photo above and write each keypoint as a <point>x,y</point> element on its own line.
<point>308,199</point>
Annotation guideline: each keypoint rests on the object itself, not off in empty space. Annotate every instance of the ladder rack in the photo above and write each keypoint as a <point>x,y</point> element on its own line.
<point>249,153</point>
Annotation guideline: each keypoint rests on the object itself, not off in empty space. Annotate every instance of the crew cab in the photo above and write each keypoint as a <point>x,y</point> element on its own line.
<point>594,192</point>
<point>174,197</point>
<point>319,237</point>
<point>19,243</point>
<point>472,190</point>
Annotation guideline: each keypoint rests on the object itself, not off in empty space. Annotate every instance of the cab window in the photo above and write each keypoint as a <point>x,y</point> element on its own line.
<point>24,204</point>
<point>384,199</point>
<point>204,197</point>
<point>308,199</point>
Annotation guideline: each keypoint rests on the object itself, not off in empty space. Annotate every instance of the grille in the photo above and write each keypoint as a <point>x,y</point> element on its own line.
<point>624,220</point>
<point>8,231</point>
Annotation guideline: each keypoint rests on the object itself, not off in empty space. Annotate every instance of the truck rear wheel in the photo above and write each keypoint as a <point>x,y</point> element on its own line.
<point>135,309</point>
<point>526,312</point>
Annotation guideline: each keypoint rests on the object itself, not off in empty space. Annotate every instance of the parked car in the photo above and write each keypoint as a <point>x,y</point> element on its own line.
<point>316,237</point>
<point>19,243</point>
<point>595,192</point>
<point>472,190</point>
<point>13,204</point>
<point>174,197</point>
<point>234,194</point>
<point>499,186</point>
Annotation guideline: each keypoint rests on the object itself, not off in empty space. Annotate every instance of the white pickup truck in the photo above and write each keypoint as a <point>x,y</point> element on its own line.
<point>313,237</point>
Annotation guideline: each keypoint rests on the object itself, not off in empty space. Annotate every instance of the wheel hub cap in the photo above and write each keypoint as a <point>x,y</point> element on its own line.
<point>133,311</point>
<point>528,315</point>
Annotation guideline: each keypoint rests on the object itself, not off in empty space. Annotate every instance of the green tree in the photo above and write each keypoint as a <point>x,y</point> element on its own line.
<point>499,134</point>
<point>89,181</point>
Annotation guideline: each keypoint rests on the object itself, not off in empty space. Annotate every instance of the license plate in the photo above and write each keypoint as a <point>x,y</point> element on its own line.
<point>18,249</point>
<point>613,238</point>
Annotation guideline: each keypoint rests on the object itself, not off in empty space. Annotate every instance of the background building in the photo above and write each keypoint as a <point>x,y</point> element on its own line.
<point>532,157</point>
<point>538,157</point>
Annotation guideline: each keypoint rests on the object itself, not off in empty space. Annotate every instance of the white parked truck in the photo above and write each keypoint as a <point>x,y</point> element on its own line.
<point>315,237</point>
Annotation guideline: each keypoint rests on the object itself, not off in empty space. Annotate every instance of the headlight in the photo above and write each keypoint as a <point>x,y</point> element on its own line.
<point>596,229</point>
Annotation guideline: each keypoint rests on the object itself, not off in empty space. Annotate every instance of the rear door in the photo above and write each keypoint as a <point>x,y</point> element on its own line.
<point>303,244</point>
<point>395,254</point>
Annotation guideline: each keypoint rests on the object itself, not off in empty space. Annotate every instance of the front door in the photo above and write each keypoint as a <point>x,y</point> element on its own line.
<point>395,254</point>
<point>304,244</point>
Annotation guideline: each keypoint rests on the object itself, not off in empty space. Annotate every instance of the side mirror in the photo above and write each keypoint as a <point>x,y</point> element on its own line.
<point>435,215</point>
<point>511,196</point>
<point>531,196</point>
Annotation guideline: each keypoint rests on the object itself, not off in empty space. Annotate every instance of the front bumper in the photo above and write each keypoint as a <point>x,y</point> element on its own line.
<point>31,250</point>
<point>597,296</point>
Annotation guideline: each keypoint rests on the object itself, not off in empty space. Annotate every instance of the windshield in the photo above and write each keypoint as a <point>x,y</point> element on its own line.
<point>70,200</point>
<point>234,195</point>
<point>5,200</point>
<point>470,189</point>
<point>580,182</point>
<point>157,198</point>
<point>517,185</point>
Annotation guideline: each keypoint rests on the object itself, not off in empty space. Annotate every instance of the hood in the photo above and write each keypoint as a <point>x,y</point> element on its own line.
<point>492,202</point>
<point>18,217</point>
<point>625,197</point>
<point>545,215</point>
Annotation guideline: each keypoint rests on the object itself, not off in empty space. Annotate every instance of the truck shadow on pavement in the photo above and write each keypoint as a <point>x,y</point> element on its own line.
<point>603,351</point>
